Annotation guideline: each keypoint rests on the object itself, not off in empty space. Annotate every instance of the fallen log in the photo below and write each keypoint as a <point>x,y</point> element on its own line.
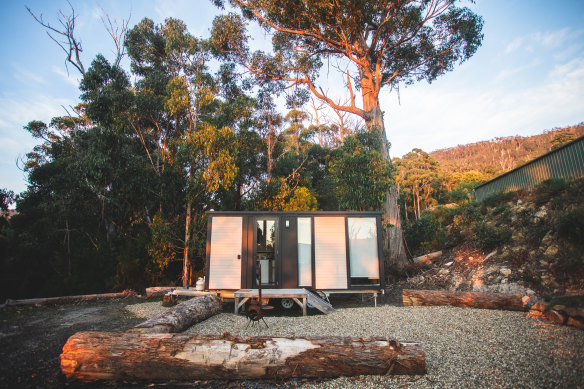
<point>181,316</point>
<point>68,299</point>
<point>91,356</point>
<point>485,300</point>
<point>155,291</point>
<point>427,258</point>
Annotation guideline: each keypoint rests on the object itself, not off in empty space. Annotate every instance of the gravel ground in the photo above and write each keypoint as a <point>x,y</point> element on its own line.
<point>465,348</point>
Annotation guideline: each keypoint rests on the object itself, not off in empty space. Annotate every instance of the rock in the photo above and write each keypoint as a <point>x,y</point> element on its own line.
<point>491,269</point>
<point>448,264</point>
<point>505,271</point>
<point>555,316</point>
<point>552,250</point>
<point>443,272</point>
<point>548,239</point>
<point>508,287</point>
<point>577,322</point>
<point>478,285</point>
<point>489,255</point>
<point>541,213</point>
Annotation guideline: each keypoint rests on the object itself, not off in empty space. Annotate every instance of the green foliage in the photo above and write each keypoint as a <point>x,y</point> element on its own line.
<point>499,198</point>
<point>488,237</point>
<point>302,200</point>
<point>362,175</point>
<point>562,138</point>
<point>549,189</point>
<point>6,199</point>
<point>424,235</point>
<point>571,226</point>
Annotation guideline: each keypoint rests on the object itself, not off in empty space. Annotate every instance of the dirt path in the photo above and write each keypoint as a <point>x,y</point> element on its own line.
<point>31,339</point>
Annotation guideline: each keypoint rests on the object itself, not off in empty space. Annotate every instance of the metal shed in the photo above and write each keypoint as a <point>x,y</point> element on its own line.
<point>326,251</point>
<point>565,162</point>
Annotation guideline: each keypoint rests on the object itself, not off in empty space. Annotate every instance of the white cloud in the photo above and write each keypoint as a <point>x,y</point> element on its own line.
<point>544,39</point>
<point>70,78</point>
<point>434,117</point>
<point>27,76</point>
<point>15,142</point>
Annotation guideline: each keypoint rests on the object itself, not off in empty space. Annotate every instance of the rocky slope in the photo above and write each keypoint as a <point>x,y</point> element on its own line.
<point>525,242</point>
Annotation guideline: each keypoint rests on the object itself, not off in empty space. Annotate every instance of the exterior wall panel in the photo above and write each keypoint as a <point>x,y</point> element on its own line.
<point>224,265</point>
<point>330,253</point>
<point>565,162</point>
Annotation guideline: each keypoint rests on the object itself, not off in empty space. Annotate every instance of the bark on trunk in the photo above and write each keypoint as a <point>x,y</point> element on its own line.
<point>181,316</point>
<point>155,291</point>
<point>91,356</point>
<point>186,262</point>
<point>484,300</point>
<point>393,236</point>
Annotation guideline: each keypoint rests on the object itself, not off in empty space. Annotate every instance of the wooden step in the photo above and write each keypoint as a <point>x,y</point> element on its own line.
<point>318,303</point>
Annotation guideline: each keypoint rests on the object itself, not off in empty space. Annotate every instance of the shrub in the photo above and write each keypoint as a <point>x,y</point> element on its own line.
<point>422,234</point>
<point>571,226</point>
<point>549,189</point>
<point>488,237</point>
<point>499,198</point>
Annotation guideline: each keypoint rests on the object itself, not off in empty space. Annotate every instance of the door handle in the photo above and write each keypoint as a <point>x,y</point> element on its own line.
<point>238,256</point>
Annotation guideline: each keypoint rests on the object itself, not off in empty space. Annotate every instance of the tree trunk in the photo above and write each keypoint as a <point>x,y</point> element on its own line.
<point>484,300</point>
<point>181,316</point>
<point>91,356</point>
<point>186,262</point>
<point>393,236</point>
<point>68,299</point>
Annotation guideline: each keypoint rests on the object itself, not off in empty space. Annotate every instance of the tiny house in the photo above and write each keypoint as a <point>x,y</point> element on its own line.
<point>327,251</point>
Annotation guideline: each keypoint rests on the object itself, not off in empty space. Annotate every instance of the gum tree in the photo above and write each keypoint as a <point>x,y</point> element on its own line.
<point>374,44</point>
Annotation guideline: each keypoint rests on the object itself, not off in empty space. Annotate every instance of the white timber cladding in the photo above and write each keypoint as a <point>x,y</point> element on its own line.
<point>330,253</point>
<point>224,264</point>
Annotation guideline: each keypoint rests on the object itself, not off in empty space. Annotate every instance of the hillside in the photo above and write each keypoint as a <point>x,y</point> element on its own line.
<point>509,243</point>
<point>499,155</point>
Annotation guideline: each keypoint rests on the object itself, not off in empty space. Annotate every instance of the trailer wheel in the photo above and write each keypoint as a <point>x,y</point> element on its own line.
<point>287,303</point>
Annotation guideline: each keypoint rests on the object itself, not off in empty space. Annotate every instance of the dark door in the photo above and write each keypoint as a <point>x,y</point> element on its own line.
<point>289,261</point>
<point>266,251</point>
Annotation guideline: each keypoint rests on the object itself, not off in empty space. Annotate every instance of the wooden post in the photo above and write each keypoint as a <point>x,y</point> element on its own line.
<point>91,356</point>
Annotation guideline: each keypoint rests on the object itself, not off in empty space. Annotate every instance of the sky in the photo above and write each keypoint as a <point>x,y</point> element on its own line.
<point>527,77</point>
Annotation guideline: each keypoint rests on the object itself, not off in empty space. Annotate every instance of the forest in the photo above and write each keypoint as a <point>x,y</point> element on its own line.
<point>118,187</point>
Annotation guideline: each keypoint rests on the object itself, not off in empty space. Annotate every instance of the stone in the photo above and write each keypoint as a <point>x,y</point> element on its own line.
<point>577,322</point>
<point>541,213</point>
<point>552,250</point>
<point>555,316</point>
<point>491,269</point>
<point>548,239</point>
<point>489,255</point>
<point>505,271</point>
<point>443,272</point>
<point>478,285</point>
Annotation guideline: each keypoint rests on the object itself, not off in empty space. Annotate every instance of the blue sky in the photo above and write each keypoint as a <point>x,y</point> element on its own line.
<point>528,75</point>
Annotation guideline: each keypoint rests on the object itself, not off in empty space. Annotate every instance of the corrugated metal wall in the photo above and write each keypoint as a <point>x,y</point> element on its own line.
<point>565,162</point>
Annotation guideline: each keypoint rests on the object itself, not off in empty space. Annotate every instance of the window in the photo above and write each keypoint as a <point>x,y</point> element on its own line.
<point>363,253</point>
<point>304,251</point>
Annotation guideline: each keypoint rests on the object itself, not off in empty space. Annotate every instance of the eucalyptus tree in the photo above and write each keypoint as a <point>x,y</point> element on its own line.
<point>374,44</point>
<point>175,96</point>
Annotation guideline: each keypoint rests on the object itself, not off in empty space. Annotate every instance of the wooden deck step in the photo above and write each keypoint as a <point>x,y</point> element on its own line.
<point>318,303</point>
